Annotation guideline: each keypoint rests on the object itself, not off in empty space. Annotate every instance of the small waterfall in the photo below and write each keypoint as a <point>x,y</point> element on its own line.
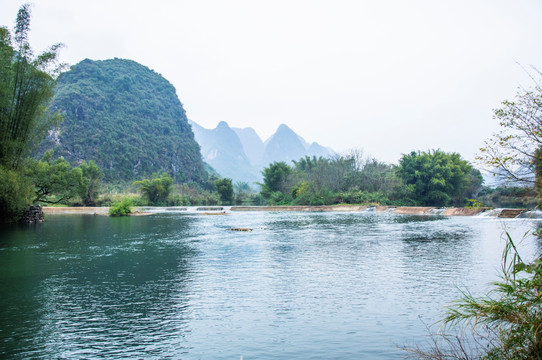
<point>532,214</point>
<point>490,213</point>
<point>161,210</point>
<point>510,213</point>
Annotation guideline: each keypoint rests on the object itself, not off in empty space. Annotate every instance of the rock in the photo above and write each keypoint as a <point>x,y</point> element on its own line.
<point>210,208</point>
<point>511,213</point>
<point>33,214</point>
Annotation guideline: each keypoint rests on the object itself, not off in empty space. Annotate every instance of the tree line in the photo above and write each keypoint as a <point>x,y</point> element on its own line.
<point>432,178</point>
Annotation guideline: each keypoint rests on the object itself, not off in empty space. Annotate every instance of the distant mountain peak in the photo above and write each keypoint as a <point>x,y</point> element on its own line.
<point>283,127</point>
<point>222,149</point>
<point>226,148</point>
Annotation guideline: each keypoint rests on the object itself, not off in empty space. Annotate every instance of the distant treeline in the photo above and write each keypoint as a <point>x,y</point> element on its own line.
<point>432,178</point>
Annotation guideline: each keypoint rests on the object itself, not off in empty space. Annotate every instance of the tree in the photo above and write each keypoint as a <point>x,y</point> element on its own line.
<point>437,178</point>
<point>514,153</point>
<point>15,194</point>
<point>274,178</point>
<point>224,187</point>
<point>54,180</point>
<point>26,86</point>
<point>92,176</point>
<point>156,190</point>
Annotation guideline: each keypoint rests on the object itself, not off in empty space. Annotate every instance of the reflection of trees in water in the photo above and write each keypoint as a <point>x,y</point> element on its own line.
<point>106,284</point>
<point>435,253</point>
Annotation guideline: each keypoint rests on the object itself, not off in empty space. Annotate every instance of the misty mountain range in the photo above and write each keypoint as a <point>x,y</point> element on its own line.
<point>240,154</point>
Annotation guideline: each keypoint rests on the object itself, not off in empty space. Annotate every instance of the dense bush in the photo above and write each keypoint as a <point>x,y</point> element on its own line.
<point>121,208</point>
<point>434,178</point>
<point>361,197</point>
<point>15,194</point>
<point>157,190</point>
<point>438,178</point>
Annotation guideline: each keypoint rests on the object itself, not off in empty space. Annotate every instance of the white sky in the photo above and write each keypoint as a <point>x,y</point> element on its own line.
<point>387,76</point>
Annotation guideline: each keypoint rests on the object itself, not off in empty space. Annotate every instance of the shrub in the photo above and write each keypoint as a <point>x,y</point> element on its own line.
<point>504,324</point>
<point>157,190</point>
<point>121,208</point>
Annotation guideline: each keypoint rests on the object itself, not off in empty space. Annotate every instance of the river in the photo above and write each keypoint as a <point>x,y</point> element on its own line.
<point>301,285</point>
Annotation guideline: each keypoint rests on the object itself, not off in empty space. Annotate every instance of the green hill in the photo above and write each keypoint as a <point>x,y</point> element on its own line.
<point>125,117</point>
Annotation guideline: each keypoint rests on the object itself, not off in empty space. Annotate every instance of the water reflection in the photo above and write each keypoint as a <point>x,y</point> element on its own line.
<point>301,285</point>
<point>96,287</point>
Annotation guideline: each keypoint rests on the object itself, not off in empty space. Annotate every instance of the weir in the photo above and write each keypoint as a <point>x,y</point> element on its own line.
<point>407,210</point>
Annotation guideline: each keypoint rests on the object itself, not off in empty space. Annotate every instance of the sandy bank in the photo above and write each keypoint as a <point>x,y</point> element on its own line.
<point>409,210</point>
<point>84,210</point>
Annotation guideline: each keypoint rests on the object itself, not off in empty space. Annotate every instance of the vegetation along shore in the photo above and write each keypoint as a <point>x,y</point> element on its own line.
<point>111,137</point>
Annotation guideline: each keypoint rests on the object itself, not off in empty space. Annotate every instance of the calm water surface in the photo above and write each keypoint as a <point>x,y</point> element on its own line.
<point>180,286</point>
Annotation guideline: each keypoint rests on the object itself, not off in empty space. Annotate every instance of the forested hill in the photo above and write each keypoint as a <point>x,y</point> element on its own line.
<point>125,117</point>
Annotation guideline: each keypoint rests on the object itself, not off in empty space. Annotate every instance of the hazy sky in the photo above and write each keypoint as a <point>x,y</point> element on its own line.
<point>387,76</point>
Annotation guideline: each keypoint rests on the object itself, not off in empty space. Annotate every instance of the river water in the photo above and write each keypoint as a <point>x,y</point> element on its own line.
<point>181,286</point>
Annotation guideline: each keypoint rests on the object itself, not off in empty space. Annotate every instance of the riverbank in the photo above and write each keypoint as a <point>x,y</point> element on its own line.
<point>411,210</point>
<point>408,210</point>
<point>87,210</point>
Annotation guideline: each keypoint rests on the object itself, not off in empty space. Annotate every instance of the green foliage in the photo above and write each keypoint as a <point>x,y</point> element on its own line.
<point>437,178</point>
<point>513,153</point>
<point>354,196</point>
<point>224,187</point>
<point>513,310</point>
<point>274,178</point>
<point>474,204</point>
<point>121,208</point>
<point>434,178</point>
<point>128,119</point>
<point>92,176</point>
<point>157,190</point>
<point>26,86</point>
<point>300,189</point>
<point>509,197</point>
<point>504,324</point>
<point>343,179</point>
<point>278,198</point>
<point>15,194</point>
<point>313,197</point>
<point>54,180</point>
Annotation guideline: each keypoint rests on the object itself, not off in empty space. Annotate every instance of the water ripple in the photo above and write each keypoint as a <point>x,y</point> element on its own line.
<point>178,285</point>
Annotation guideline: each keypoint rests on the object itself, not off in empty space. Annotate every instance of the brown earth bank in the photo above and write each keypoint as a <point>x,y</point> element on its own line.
<point>86,210</point>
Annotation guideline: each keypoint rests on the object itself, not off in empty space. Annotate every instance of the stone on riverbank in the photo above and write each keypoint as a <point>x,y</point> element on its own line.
<point>33,214</point>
